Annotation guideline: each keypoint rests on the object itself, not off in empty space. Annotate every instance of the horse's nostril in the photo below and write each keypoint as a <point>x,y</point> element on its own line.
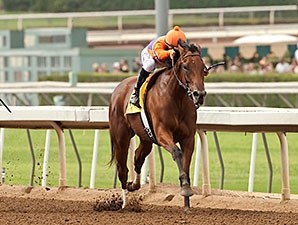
<point>200,93</point>
<point>196,94</point>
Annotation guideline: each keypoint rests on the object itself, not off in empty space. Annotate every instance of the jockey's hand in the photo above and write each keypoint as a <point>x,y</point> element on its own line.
<point>172,54</point>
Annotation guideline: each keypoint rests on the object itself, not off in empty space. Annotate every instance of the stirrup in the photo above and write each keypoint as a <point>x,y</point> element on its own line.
<point>135,100</point>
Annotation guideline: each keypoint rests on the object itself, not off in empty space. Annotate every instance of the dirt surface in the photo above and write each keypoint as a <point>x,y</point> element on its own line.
<point>21,205</point>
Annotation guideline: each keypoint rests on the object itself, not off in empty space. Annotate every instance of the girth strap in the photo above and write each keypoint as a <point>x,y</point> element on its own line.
<point>147,128</point>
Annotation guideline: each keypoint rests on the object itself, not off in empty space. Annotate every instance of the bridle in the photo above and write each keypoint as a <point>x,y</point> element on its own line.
<point>188,90</point>
<point>185,87</point>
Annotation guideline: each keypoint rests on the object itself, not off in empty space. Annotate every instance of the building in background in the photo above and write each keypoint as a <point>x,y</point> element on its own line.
<point>26,55</point>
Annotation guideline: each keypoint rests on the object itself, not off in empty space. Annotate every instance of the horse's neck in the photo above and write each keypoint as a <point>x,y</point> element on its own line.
<point>171,87</point>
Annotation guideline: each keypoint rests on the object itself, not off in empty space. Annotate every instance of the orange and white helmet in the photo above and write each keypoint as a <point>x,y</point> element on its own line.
<point>174,35</point>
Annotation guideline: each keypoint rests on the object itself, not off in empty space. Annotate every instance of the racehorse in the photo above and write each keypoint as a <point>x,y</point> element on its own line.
<point>171,105</point>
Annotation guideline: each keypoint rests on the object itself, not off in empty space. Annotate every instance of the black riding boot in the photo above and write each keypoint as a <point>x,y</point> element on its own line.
<point>135,96</point>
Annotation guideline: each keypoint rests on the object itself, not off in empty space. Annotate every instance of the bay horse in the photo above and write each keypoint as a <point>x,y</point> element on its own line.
<point>171,105</point>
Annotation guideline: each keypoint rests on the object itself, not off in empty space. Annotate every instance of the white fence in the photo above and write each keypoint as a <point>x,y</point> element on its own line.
<point>227,119</point>
<point>172,12</point>
<point>13,92</point>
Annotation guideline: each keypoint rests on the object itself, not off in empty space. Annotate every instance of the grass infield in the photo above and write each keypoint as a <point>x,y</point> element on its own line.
<point>236,149</point>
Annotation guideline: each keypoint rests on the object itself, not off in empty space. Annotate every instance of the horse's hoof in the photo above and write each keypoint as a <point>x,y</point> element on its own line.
<point>132,186</point>
<point>187,210</point>
<point>129,186</point>
<point>186,191</point>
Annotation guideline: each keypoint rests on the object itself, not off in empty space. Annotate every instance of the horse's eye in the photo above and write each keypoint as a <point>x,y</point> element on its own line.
<point>185,67</point>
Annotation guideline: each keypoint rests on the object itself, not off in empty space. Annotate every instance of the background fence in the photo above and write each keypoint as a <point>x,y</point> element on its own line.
<point>146,18</point>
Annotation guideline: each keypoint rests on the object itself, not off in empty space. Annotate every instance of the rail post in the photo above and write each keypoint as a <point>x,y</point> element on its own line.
<point>62,154</point>
<point>206,187</point>
<point>285,191</point>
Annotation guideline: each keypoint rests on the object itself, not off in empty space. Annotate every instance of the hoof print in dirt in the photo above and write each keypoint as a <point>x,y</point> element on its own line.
<point>169,197</point>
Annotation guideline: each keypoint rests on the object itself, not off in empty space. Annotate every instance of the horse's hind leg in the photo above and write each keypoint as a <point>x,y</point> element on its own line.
<point>142,152</point>
<point>120,148</point>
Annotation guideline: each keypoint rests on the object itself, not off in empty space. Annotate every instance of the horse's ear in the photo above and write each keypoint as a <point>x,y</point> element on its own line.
<point>181,46</point>
<point>182,43</point>
<point>198,47</point>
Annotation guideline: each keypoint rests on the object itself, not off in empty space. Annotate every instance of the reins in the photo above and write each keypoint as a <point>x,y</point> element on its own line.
<point>213,65</point>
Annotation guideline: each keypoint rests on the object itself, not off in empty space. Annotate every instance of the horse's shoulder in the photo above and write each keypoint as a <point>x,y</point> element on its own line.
<point>125,85</point>
<point>160,70</point>
<point>127,81</point>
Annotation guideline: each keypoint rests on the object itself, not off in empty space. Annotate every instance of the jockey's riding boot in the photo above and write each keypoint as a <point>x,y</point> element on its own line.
<point>135,96</point>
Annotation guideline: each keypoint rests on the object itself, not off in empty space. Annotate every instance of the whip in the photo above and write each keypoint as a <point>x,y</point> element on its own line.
<point>4,104</point>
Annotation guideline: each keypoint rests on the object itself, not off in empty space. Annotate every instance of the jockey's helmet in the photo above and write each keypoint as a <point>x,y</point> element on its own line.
<point>174,35</point>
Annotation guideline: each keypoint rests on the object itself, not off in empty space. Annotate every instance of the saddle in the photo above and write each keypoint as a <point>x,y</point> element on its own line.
<point>146,86</point>
<point>130,109</point>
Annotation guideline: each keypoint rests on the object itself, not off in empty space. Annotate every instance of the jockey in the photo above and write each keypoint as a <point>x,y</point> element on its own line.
<point>158,52</point>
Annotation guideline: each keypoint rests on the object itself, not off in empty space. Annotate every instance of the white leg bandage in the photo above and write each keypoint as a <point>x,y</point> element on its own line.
<point>124,196</point>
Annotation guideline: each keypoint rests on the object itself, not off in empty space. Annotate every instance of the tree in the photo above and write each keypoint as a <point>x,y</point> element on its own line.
<point>16,5</point>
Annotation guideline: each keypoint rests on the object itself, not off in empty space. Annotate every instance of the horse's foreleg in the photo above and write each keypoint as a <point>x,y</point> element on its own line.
<point>186,190</point>
<point>187,147</point>
<point>182,158</point>
<point>183,174</point>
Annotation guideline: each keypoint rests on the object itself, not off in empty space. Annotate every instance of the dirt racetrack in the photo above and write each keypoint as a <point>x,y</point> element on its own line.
<point>19,205</point>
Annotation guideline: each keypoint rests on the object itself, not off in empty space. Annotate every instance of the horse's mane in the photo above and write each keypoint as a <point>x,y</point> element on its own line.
<point>190,46</point>
<point>193,48</point>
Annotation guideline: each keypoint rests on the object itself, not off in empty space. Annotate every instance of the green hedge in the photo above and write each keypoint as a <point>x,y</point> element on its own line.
<point>212,77</point>
<point>86,77</point>
<point>242,77</point>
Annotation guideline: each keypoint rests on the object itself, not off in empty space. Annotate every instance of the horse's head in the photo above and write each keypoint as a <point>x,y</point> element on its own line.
<point>190,71</point>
